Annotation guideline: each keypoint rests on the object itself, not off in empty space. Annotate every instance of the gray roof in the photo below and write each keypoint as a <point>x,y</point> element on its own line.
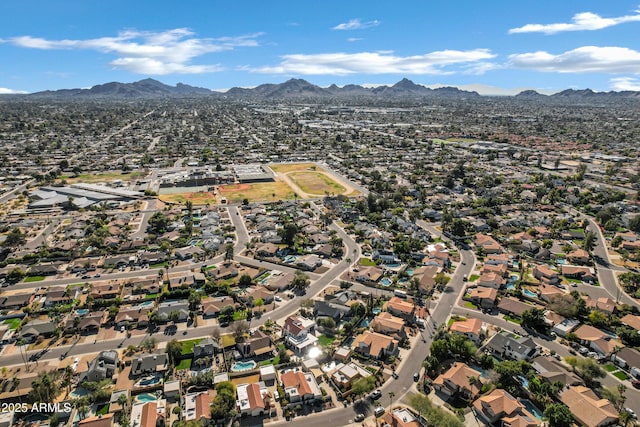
<point>522,345</point>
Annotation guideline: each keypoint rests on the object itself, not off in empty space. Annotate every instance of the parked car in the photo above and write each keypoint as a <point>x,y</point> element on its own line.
<point>635,383</point>
<point>375,395</point>
<point>416,376</point>
<point>358,417</point>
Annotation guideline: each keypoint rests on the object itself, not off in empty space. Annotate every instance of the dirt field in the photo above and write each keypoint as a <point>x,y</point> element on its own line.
<point>291,167</point>
<point>198,199</point>
<point>258,192</point>
<point>316,183</point>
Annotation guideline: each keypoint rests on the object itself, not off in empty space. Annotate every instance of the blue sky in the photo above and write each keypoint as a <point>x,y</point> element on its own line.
<point>493,46</point>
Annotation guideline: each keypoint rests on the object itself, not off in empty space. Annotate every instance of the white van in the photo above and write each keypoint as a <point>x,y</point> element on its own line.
<point>399,293</point>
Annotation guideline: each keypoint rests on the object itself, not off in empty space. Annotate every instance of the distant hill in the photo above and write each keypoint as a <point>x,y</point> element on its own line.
<point>147,88</point>
<point>299,88</point>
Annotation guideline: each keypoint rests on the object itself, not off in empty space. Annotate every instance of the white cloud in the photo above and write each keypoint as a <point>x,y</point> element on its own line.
<point>625,83</point>
<point>144,52</point>
<point>354,39</point>
<point>585,59</point>
<point>585,21</point>
<point>356,24</point>
<point>439,62</point>
<point>6,91</point>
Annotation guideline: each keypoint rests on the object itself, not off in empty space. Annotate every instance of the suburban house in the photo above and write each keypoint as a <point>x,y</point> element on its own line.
<point>578,256</point>
<point>401,307</point>
<point>388,324</point>
<point>179,307</point>
<point>298,333</point>
<point>329,309</point>
<point>211,307</point>
<point>105,291</point>
<point>514,307</point>
<point>401,417</point>
<point>299,386</point>
<point>375,345</point>
<point>553,371</point>
<point>253,399</point>
<point>91,322</point>
<point>506,345</point>
<point>105,420</point>
<point>491,279</point>
<point>208,347</point>
<point>546,274</point>
<point>369,275</point>
<point>132,317</point>
<point>257,346</point>
<point>15,301</point>
<point>149,364</point>
<point>471,328</point>
<point>102,367</point>
<point>196,406</point>
<point>483,297</point>
<point>499,405</point>
<point>627,358</point>
<point>345,375</point>
<point>457,381</point>
<point>188,252</point>
<point>587,408</point>
<point>588,334</point>
<point>37,328</point>
<point>631,321</point>
<point>564,327</point>
<point>57,295</point>
<point>487,243</point>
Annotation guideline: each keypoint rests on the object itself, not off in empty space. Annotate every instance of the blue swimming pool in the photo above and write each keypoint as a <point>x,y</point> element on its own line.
<point>385,282</point>
<point>145,304</point>
<point>243,366</point>
<point>146,397</point>
<point>149,381</point>
<point>532,408</point>
<point>82,311</point>
<point>376,310</point>
<point>529,294</point>
<point>511,286</point>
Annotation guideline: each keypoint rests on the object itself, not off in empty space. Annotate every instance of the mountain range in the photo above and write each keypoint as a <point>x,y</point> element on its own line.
<point>299,88</point>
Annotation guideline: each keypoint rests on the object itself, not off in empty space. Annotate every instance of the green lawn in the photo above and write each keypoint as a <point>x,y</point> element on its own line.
<point>103,410</point>
<point>227,340</point>
<point>469,304</point>
<point>620,375</point>
<point>274,361</point>
<point>33,278</point>
<point>325,341</point>
<point>366,262</point>
<point>512,319</point>
<point>211,267</point>
<point>184,364</point>
<point>239,315</point>
<point>13,323</point>
<point>151,296</point>
<point>473,277</point>
<point>609,367</point>
<point>159,265</point>
<point>187,346</point>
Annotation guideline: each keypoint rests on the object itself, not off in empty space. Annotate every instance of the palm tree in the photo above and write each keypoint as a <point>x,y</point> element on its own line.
<point>391,396</point>
<point>82,405</point>
<point>15,385</point>
<point>123,401</point>
<point>67,379</point>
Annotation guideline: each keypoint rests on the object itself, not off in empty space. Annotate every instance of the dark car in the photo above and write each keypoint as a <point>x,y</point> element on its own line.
<point>359,417</point>
<point>635,383</point>
<point>416,376</point>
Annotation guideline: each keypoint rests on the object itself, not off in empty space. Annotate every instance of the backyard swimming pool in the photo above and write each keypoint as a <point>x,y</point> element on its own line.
<point>146,397</point>
<point>243,366</point>
<point>145,304</point>
<point>532,408</point>
<point>529,293</point>
<point>385,282</point>
<point>148,381</point>
<point>82,311</point>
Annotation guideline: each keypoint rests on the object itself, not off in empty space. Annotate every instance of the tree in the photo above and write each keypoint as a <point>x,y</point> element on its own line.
<point>615,396</point>
<point>391,396</point>
<point>245,281</point>
<point>14,238</point>
<point>434,415</point>
<point>589,241</point>
<point>174,351</point>
<point>158,223</point>
<point>357,309</point>
<point>634,223</point>
<point>558,415</point>
<point>534,319</point>
<point>300,282</point>
<point>82,405</point>
<point>228,252</point>
<point>149,344</point>
<point>240,328</point>
<point>588,369</point>
<point>288,233</point>
<point>441,280</point>
<point>363,385</point>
